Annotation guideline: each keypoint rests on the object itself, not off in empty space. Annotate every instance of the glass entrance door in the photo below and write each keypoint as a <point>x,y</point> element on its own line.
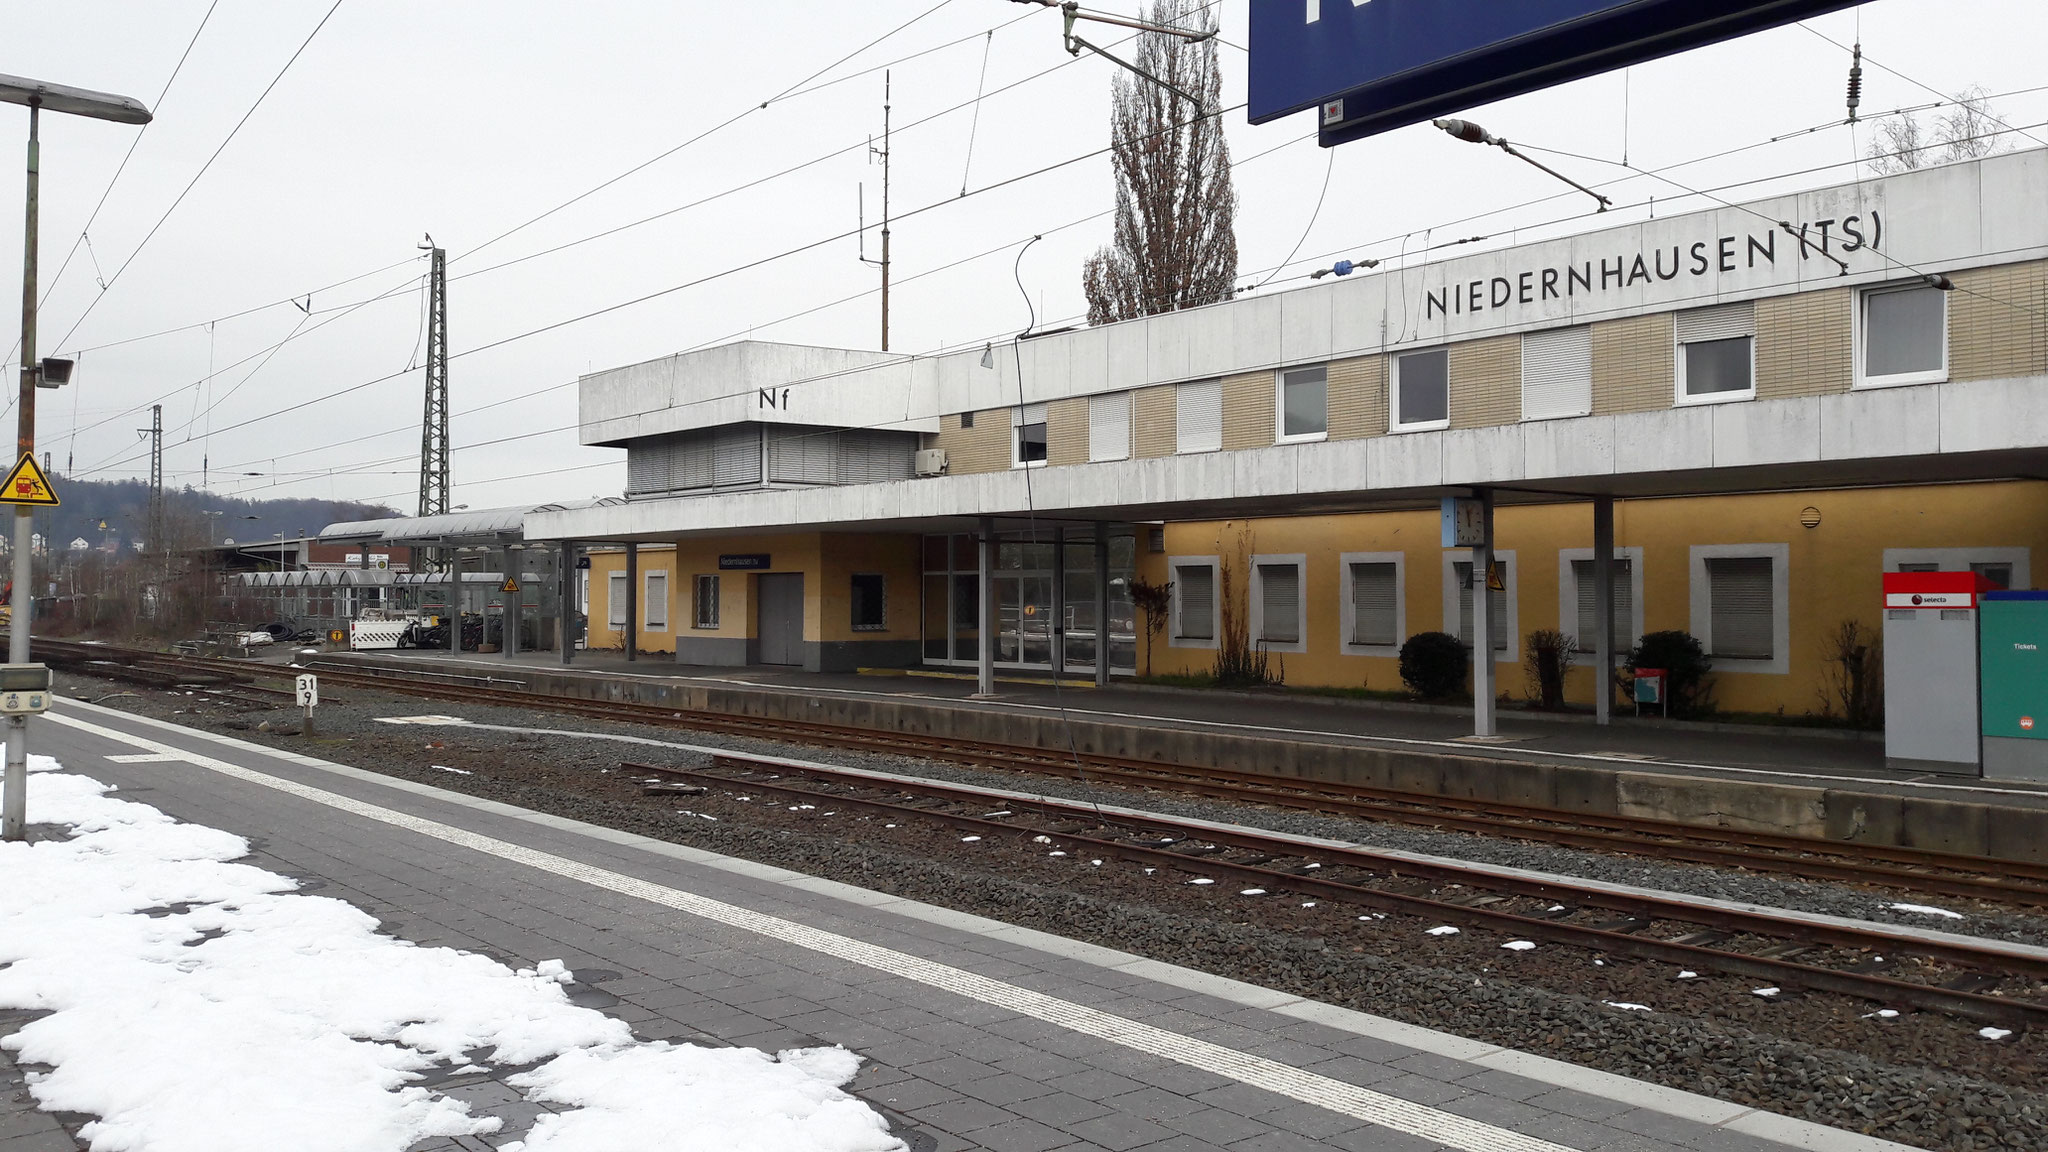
<point>1024,618</point>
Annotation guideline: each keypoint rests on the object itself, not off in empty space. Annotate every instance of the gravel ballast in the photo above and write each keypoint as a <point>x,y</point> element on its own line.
<point>1916,1078</point>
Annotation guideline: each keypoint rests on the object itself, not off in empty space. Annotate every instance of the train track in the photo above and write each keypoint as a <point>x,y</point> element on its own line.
<point>1976,982</point>
<point>1920,871</point>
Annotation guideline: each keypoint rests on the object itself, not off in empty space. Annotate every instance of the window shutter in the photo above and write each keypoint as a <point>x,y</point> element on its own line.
<point>737,456</point>
<point>1372,604</point>
<point>1109,426</point>
<point>615,600</point>
<point>1197,601</point>
<point>1198,416</point>
<point>1557,373</point>
<point>1720,322</point>
<point>1589,612</point>
<point>1740,617</point>
<point>1028,414</point>
<point>1280,593</point>
<point>1496,603</point>
<point>870,456</point>
<point>657,600</point>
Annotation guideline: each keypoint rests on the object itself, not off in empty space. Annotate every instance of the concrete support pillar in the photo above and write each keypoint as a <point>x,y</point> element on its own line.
<point>1603,608</point>
<point>1101,604</point>
<point>632,601</point>
<point>1483,623</point>
<point>985,587</point>
<point>513,602</point>
<point>565,606</point>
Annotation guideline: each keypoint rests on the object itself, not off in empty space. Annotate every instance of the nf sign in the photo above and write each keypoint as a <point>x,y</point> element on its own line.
<point>1373,65</point>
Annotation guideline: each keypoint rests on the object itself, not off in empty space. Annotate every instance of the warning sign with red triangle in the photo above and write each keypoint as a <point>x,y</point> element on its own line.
<point>511,584</point>
<point>27,485</point>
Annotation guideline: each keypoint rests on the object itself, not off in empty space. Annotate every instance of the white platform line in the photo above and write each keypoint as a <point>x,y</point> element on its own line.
<point>1257,1071</point>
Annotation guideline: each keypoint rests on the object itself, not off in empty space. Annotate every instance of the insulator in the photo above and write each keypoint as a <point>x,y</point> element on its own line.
<point>1855,82</point>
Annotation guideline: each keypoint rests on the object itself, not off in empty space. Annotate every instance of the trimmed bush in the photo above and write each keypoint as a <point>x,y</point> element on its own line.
<point>1433,665</point>
<point>1685,662</point>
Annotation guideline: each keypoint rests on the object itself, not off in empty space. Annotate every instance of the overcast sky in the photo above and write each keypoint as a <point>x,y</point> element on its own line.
<point>467,119</point>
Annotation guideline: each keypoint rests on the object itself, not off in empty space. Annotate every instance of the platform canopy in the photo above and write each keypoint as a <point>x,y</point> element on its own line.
<point>465,529</point>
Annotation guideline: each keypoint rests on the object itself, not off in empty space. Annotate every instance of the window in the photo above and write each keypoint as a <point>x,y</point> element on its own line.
<point>1303,399</point>
<point>1421,391</point>
<point>1499,625</point>
<point>707,603</point>
<point>967,420</point>
<point>1109,426</point>
<point>2000,575</point>
<point>1586,611</point>
<point>869,603</point>
<point>1741,610</point>
<point>1557,373</point>
<point>2006,567</point>
<point>657,600</point>
<point>1716,359</point>
<point>1027,446</point>
<point>1902,336</point>
<point>615,600</point>
<point>1198,416</point>
<point>1372,605</point>
<point>1194,602</point>
<point>1276,603</point>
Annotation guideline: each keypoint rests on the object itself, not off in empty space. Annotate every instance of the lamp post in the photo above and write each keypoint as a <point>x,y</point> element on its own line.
<point>37,95</point>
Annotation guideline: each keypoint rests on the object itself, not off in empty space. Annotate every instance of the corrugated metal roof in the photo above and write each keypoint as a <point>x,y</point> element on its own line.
<point>484,525</point>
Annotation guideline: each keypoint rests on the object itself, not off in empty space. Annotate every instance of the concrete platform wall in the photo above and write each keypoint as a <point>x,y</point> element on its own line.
<point>1970,826</point>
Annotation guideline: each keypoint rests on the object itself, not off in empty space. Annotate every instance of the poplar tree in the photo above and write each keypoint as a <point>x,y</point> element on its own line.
<point>1175,240</point>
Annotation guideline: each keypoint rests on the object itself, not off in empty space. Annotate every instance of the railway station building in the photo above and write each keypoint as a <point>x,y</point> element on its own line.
<point>1764,406</point>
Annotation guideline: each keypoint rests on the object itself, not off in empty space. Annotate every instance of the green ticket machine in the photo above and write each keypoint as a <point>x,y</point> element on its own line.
<point>2013,664</point>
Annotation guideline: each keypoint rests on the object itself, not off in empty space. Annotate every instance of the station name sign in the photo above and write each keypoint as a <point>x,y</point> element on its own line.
<point>743,561</point>
<point>1827,240</point>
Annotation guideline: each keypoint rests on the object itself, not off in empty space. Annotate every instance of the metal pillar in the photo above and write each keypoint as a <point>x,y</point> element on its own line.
<point>14,805</point>
<point>1483,623</point>
<point>1101,604</point>
<point>565,607</point>
<point>1058,630</point>
<point>985,678</point>
<point>632,601</point>
<point>513,602</point>
<point>434,424</point>
<point>454,574</point>
<point>157,544</point>
<point>1603,608</point>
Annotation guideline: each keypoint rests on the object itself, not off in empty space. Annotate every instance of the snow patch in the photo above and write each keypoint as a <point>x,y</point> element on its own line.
<point>1519,945</point>
<point>1443,930</point>
<point>1994,1033</point>
<point>1925,910</point>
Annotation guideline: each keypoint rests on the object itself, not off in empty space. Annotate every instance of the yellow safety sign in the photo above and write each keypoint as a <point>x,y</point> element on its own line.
<point>1496,577</point>
<point>27,485</point>
<point>511,584</point>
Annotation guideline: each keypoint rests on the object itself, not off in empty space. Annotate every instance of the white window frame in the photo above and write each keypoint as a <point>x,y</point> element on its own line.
<point>1453,557</point>
<point>615,599</point>
<point>1683,399</point>
<point>648,601</point>
<point>1394,421</point>
<point>1280,435</point>
<point>1257,598</point>
<point>1174,639</point>
<point>1702,609</point>
<point>1960,559</point>
<point>1180,392</point>
<point>698,583</point>
<point>1101,453</point>
<point>1020,416</point>
<point>1348,610</point>
<point>1896,379</point>
<point>1568,595</point>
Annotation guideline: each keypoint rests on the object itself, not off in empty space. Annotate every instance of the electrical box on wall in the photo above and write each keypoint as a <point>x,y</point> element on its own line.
<point>1930,670</point>
<point>930,461</point>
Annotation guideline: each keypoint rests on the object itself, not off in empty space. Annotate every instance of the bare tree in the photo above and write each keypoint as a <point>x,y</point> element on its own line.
<point>1969,129</point>
<point>1175,242</point>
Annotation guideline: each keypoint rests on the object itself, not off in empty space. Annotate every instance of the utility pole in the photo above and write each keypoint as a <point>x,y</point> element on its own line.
<point>883,263</point>
<point>156,481</point>
<point>434,425</point>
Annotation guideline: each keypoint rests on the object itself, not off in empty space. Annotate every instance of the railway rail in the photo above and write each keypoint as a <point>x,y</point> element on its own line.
<point>1979,982</point>
<point>1921,871</point>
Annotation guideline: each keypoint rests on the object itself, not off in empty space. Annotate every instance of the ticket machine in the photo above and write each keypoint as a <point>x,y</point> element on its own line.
<point>1931,718</point>
<point>2015,685</point>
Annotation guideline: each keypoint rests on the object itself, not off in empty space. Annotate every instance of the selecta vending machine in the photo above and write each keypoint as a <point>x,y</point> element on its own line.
<point>1931,684</point>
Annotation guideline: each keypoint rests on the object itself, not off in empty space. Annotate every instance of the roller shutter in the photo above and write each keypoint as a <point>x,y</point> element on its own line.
<point>1198,416</point>
<point>1280,601</point>
<point>1374,605</point>
<point>1497,609</point>
<point>1589,612</point>
<point>1109,426</point>
<point>1741,609</point>
<point>1197,586</point>
<point>1720,322</point>
<point>1557,373</point>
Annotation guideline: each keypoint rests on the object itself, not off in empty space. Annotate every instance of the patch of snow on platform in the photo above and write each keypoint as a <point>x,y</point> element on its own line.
<point>241,1016</point>
<point>1925,910</point>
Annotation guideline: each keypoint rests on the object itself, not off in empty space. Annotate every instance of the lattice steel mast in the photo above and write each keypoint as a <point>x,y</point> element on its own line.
<point>434,425</point>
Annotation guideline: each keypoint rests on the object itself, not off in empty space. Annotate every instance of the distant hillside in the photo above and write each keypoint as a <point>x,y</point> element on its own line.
<point>124,505</point>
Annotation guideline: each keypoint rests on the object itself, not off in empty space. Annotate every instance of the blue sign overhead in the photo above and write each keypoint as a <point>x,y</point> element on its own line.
<point>1372,65</point>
